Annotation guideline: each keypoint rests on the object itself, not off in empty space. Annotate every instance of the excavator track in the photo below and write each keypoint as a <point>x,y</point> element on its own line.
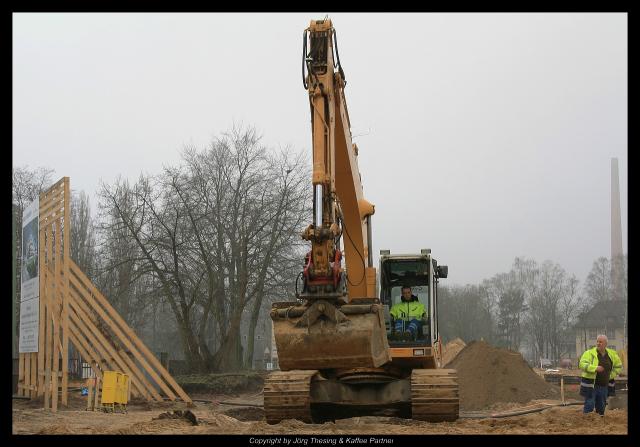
<point>434,395</point>
<point>287,396</point>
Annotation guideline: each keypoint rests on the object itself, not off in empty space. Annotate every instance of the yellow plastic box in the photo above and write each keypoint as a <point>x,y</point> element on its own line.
<point>109,387</point>
<point>122,395</point>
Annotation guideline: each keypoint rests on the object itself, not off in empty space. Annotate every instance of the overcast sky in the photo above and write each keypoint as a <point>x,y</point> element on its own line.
<point>482,136</point>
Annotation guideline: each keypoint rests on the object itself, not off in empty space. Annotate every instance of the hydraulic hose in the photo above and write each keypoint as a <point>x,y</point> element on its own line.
<point>304,61</point>
<point>516,413</point>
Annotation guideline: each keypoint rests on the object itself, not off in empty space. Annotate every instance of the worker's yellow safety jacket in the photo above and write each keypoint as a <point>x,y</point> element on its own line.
<point>407,310</point>
<point>588,364</point>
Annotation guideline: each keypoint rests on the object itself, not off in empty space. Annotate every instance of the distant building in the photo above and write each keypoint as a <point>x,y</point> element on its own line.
<point>605,317</point>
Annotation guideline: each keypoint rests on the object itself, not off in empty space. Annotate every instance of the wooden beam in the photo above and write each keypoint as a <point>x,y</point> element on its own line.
<point>89,330</point>
<point>103,357</point>
<point>20,374</point>
<point>27,373</point>
<point>48,300</point>
<point>65,256</point>
<point>124,364</point>
<point>41,316</point>
<point>48,339</point>
<point>85,350</point>
<point>100,299</point>
<point>34,374</point>
<point>55,301</point>
<point>89,299</point>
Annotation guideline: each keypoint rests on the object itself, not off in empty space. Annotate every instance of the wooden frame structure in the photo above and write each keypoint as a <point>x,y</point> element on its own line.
<point>73,310</point>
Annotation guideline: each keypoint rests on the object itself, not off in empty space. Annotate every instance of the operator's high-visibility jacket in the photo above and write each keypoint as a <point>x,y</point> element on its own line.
<point>588,364</point>
<point>408,310</point>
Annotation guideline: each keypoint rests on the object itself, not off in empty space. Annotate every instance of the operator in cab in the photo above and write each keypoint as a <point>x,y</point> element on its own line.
<point>409,314</point>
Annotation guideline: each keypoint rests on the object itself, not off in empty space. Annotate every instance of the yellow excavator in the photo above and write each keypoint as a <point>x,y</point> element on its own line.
<point>338,349</point>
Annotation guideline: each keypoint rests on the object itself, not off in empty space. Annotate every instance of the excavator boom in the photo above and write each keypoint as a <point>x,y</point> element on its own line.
<point>340,322</point>
<point>339,204</point>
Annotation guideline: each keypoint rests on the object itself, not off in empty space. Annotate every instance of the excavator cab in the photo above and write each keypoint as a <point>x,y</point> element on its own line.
<point>423,334</point>
<point>421,273</point>
<point>397,274</point>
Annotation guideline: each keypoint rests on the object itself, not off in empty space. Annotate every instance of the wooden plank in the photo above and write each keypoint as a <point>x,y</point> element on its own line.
<point>53,187</point>
<point>108,351</point>
<point>90,394</point>
<point>65,292</point>
<point>41,316</point>
<point>85,349</point>
<point>46,354</point>
<point>102,357</point>
<point>96,308</point>
<point>53,190</point>
<point>84,306</point>
<point>89,330</point>
<point>55,298</point>
<point>51,215</point>
<point>50,308</point>
<point>95,400</point>
<point>100,299</point>
<point>89,354</point>
<point>50,208</point>
<point>27,373</point>
<point>132,366</point>
<point>48,297</point>
<point>20,374</point>
<point>52,344</point>
<point>34,374</point>
<point>47,389</point>
<point>123,340</point>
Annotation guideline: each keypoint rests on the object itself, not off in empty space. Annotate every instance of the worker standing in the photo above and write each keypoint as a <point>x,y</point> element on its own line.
<point>600,365</point>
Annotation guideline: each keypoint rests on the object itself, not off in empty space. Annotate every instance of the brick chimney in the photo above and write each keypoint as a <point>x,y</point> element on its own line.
<point>617,274</point>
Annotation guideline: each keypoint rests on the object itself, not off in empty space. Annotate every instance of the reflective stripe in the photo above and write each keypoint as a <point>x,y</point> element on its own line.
<point>588,383</point>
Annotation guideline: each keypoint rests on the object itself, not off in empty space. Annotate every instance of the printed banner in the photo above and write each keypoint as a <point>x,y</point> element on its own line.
<point>29,283</point>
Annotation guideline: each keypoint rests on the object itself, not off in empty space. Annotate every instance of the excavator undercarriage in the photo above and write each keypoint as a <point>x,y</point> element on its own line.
<point>307,395</point>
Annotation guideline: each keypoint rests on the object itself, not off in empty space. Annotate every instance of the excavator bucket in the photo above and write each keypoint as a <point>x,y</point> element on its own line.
<point>324,335</point>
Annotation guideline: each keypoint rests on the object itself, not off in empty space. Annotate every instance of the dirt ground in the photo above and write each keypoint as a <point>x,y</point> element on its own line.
<point>243,414</point>
<point>494,384</point>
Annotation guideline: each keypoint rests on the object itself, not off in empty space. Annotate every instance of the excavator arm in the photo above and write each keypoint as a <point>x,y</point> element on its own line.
<point>340,322</point>
<point>339,206</point>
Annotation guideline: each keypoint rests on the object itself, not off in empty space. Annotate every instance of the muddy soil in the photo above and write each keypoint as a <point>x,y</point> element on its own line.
<point>243,414</point>
<point>491,381</point>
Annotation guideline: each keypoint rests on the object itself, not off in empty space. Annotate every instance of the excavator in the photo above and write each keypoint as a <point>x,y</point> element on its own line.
<point>338,351</point>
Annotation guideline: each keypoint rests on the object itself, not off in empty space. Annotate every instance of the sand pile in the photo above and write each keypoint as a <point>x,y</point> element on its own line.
<point>489,375</point>
<point>451,350</point>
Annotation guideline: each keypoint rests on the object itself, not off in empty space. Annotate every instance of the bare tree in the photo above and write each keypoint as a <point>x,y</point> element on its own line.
<point>598,282</point>
<point>28,184</point>
<point>123,273</point>
<point>510,297</point>
<point>213,232</point>
<point>465,312</point>
<point>82,233</point>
